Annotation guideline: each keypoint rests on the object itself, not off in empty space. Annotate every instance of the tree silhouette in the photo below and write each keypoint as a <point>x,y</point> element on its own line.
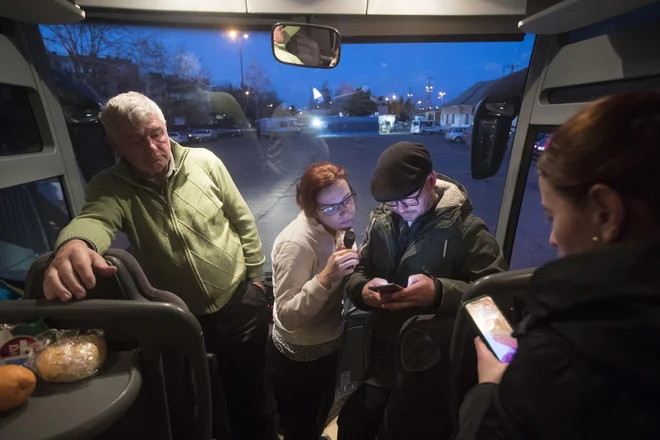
<point>360,104</point>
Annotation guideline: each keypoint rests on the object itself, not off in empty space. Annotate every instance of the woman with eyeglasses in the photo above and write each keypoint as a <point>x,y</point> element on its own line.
<point>309,267</point>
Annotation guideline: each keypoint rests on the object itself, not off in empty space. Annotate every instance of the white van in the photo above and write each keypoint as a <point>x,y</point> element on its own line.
<point>278,127</point>
<point>425,127</point>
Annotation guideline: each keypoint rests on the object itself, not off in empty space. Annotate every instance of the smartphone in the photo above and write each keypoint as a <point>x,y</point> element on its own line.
<point>386,289</point>
<point>495,329</point>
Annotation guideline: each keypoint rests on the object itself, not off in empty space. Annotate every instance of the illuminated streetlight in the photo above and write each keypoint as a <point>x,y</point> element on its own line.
<point>247,92</point>
<point>233,35</point>
<point>387,99</point>
<point>394,97</point>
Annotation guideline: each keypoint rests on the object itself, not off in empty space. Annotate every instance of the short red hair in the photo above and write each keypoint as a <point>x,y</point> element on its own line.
<point>315,179</point>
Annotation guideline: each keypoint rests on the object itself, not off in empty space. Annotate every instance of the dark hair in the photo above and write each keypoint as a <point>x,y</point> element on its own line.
<point>316,178</point>
<point>614,141</point>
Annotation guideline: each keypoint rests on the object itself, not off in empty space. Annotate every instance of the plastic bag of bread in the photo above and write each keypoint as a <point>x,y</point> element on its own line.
<point>67,356</point>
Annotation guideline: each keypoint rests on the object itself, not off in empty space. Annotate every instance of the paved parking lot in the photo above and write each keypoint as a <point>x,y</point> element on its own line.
<point>266,171</point>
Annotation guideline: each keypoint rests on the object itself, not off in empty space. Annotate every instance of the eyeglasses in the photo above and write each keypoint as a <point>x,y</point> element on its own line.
<point>408,201</point>
<point>331,210</point>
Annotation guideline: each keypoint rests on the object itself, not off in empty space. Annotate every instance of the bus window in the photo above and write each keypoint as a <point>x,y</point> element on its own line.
<point>290,116</point>
<point>531,247</point>
<point>31,217</point>
<point>18,128</point>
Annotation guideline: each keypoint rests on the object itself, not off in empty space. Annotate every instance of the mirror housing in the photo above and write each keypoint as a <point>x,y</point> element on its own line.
<point>493,118</point>
<point>306,45</point>
<point>490,136</point>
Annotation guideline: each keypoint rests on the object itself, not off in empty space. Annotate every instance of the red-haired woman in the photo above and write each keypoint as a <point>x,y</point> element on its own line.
<point>309,266</point>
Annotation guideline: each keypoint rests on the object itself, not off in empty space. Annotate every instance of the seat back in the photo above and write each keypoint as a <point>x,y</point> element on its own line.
<point>418,404</point>
<point>130,283</point>
<point>353,357</point>
<point>153,327</point>
<point>504,288</point>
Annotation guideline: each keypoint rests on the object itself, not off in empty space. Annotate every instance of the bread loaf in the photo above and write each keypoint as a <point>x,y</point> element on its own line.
<point>71,359</point>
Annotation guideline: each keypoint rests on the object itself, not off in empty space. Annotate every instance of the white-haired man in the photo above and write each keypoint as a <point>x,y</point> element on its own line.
<point>192,233</point>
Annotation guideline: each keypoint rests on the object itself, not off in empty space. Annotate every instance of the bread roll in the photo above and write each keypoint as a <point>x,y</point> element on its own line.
<point>72,359</point>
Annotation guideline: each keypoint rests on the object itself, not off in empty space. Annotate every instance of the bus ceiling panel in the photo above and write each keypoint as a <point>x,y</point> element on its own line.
<point>343,7</point>
<point>42,11</point>
<point>389,28</point>
<point>353,28</point>
<point>225,6</point>
<point>575,14</point>
<point>16,69</point>
<point>447,7</point>
<point>620,55</point>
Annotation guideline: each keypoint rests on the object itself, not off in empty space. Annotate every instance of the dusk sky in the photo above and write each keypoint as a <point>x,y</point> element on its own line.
<point>385,68</point>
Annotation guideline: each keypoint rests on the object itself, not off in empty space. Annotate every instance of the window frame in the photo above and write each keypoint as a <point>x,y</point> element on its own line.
<point>25,52</point>
<point>521,185</point>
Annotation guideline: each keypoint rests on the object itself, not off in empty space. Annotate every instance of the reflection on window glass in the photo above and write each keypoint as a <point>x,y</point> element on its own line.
<point>225,91</point>
<point>531,246</point>
<point>18,128</point>
<point>31,217</point>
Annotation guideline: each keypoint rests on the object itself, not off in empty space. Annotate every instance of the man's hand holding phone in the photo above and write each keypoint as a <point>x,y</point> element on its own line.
<point>419,293</point>
<point>371,297</point>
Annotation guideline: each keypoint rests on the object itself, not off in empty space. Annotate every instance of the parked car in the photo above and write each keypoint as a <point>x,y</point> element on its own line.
<point>456,134</point>
<point>541,144</point>
<point>204,134</point>
<point>194,138</point>
<point>271,127</point>
<point>426,127</point>
<point>467,137</point>
<point>178,137</point>
<point>228,132</point>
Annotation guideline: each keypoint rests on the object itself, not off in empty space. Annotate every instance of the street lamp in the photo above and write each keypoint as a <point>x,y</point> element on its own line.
<point>441,95</point>
<point>233,35</point>
<point>393,97</point>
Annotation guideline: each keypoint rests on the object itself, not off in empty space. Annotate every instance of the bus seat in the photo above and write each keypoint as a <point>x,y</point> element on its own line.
<point>353,356</point>
<point>419,395</point>
<point>153,327</point>
<point>503,288</point>
<point>131,283</point>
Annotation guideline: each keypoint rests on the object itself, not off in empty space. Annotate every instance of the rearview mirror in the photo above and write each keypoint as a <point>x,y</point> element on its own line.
<point>306,45</point>
<point>490,136</point>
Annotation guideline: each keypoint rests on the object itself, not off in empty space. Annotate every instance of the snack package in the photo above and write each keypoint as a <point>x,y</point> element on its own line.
<point>17,341</point>
<point>67,356</point>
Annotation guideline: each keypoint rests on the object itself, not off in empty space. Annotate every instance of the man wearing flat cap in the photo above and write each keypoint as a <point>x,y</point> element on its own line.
<point>424,238</point>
